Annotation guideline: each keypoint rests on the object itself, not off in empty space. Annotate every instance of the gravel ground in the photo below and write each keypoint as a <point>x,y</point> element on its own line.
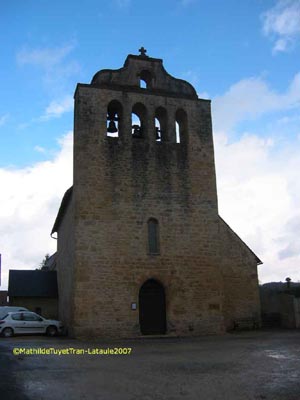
<point>250,365</point>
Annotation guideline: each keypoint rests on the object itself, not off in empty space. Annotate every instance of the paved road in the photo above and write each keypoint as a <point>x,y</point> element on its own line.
<point>250,366</point>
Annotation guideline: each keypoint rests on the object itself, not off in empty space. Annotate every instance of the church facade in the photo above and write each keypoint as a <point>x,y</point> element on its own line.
<point>141,248</point>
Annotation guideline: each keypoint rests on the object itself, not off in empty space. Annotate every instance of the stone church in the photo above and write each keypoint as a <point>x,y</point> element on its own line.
<point>141,248</point>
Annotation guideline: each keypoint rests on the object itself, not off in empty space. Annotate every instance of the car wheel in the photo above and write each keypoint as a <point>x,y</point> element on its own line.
<point>7,332</point>
<point>51,330</point>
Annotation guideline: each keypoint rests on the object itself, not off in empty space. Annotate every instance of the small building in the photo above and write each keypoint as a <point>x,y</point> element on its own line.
<point>35,290</point>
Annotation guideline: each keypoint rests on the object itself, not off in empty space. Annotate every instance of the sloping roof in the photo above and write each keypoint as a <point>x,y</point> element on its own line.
<point>32,283</point>
<point>62,209</point>
<point>237,236</point>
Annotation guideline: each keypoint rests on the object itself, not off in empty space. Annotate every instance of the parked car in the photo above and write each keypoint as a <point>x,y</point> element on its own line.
<point>6,309</point>
<point>28,322</point>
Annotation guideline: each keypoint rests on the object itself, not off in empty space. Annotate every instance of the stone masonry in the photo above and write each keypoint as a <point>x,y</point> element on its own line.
<point>207,275</point>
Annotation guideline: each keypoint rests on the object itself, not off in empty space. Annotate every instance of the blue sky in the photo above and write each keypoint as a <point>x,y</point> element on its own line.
<point>244,55</point>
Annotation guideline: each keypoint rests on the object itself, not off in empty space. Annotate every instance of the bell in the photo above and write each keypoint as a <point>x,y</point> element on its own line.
<point>137,131</point>
<point>112,127</point>
<point>158,133</point>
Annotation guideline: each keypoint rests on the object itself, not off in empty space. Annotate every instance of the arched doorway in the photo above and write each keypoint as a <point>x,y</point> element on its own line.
<point>152,307</point>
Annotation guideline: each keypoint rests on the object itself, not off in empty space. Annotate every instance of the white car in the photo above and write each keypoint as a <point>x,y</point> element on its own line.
<point>28,322</point>
<point>6,309</point>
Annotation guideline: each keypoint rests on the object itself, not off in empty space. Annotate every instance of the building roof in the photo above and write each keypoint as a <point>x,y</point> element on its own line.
<point>32,283</point>
<point>259,262</point>
<point>62,209</point>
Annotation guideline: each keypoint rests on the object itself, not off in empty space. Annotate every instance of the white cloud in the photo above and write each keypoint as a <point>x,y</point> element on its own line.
<point>186,3</point>
<point>58,107</point>
<point>3,119</point>
<point>251,98</point>
<point>291,239</point>
<point>191,76</point>
<point>280,45</point>
<point>55,109</point>
<point>282,23</point>
<point>28,207</point>
<point>54,63</point>
<point>203,95</point>
<point>260,198</point>
<point>289,119</point>
<point>44,57</point>
<point>258,179</point>
<point>40,149</point>
<point>123,3</point>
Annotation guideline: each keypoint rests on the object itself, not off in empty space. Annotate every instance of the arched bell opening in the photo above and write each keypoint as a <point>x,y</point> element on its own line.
<point>114,119</point>
<point>145,79</point>
<point>152,308</point>
<point>181,126</point>
<point>139,121</point>
<point>160,124</point>
<point>157,130</point>
<point>143,84</point>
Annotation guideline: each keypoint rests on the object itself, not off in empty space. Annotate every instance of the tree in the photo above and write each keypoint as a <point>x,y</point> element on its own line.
<point>43,264</point>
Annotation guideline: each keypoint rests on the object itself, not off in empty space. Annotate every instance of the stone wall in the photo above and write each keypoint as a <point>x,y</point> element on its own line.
<point>239,270</point>
<point>65,265</point>
<point>297,311</point>
<point>280,306</point>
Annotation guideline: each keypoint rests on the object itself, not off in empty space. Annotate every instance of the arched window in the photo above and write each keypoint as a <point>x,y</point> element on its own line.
<point>114,119</point>
<point>145,79</point>
<point>153,236</point>
<point>160,124</point>
<point>138,121</point>
<point>181,126</point>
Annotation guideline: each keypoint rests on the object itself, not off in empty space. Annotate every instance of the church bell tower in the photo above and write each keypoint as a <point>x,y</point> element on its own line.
<point>145,205</point>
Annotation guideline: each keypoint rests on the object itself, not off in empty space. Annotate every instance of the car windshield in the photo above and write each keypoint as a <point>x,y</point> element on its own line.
<point>3,316</point>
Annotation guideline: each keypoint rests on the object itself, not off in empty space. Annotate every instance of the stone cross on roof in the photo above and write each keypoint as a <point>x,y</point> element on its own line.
<point>143,52</point>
